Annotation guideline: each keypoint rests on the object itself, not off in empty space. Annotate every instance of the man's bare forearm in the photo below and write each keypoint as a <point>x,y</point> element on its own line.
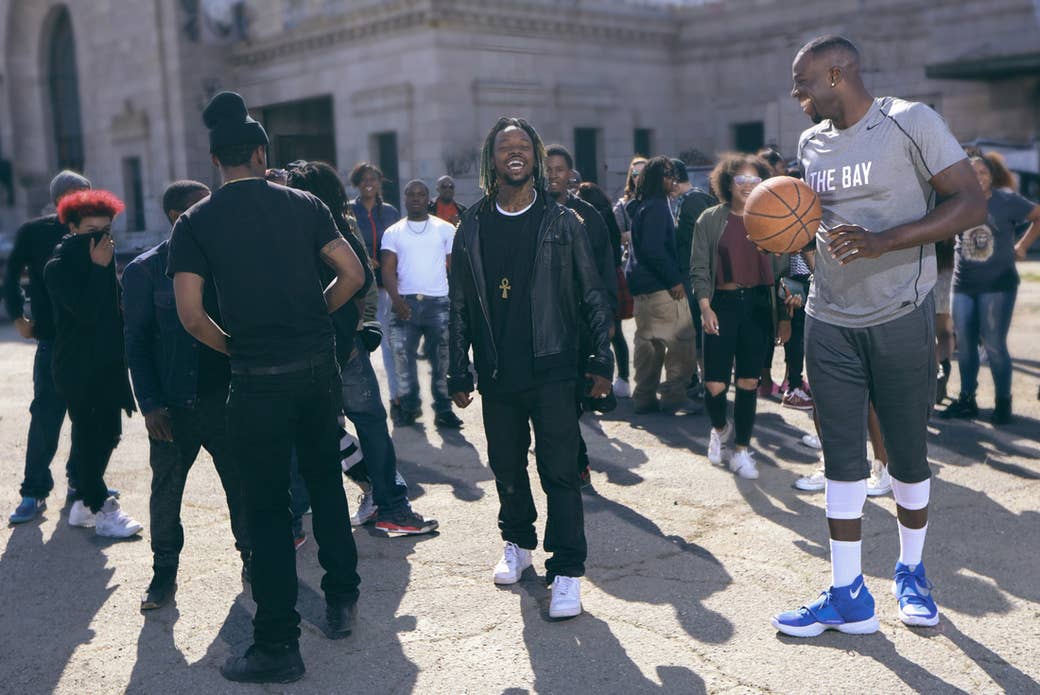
<point>207,332</point>
<point>948,219</point>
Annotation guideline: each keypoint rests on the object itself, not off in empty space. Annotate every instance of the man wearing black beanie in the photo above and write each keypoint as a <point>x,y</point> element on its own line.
<point>262,245</point>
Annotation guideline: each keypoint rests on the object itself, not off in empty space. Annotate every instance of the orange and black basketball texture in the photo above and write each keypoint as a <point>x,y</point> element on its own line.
<point>782,215</point>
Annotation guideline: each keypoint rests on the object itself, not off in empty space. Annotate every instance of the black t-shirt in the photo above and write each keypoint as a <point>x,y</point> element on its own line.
<point>985,255</point>
<point>260,243</point>
<point>508,244</point>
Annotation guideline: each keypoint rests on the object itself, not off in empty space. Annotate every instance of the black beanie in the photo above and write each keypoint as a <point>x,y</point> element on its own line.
<point>229,122</point>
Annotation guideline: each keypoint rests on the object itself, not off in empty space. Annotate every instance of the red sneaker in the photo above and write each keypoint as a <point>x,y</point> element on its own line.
<point>797,399</point>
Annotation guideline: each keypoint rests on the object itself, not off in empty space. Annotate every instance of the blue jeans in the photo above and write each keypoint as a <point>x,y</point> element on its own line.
<point>383,315</point>
<point>986,316</point>
<point>429,320</point>
<point>364,408</point>
<point>48,415</point>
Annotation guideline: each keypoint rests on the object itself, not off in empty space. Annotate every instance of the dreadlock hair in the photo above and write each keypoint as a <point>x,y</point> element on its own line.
<point>651,180</point>
<point>488,178</point>
<point>74,207</point>
<point>178,193</point>
<point>321,180</point>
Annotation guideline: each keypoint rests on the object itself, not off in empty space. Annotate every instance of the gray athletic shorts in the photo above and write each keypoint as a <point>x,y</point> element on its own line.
<point>893,365</point>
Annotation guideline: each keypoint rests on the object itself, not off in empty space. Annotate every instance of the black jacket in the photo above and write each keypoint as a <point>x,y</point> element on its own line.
<point>599,240</point>
<point>33,246</point>
<point>89,358</point>
<point>565,290</point>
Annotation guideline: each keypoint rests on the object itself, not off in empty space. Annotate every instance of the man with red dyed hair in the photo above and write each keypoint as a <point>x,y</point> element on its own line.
<point>89,363</point>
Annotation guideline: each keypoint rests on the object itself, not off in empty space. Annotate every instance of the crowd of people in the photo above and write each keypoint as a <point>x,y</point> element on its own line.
<point>249,333</point>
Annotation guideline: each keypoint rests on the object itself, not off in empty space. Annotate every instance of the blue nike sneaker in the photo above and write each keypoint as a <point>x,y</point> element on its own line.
<point>28,510</point>
<point>848,609</point>
<point>914,591</point>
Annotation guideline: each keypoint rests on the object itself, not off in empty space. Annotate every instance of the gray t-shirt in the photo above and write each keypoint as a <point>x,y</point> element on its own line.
<point>875,174</point>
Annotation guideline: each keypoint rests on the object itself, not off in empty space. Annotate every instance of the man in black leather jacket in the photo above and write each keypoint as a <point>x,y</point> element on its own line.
<point>523,278</point>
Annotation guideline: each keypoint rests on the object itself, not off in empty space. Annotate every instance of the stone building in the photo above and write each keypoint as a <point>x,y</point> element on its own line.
<point>116,87</point>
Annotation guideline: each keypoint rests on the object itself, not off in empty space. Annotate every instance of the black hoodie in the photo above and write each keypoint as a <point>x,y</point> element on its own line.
<point>89,359</point>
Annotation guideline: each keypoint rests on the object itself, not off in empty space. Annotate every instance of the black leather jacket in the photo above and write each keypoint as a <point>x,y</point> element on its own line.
<point>565,289</point>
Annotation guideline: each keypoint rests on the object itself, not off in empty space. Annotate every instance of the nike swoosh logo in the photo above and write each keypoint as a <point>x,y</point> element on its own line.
<point>855,592</point>
<point>922,590</point>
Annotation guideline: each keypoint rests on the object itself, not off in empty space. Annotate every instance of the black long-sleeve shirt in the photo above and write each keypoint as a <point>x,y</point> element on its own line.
<point>33,246</point>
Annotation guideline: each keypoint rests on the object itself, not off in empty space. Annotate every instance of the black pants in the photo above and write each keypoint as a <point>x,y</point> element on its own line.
<point>267,417</point>
<point>507,424</point>
<point>48,415</point>
<point>795,350</point>
<point>745,334</point>
<point>620,350</point>
<point>193,428</point>
<point>96,428</point>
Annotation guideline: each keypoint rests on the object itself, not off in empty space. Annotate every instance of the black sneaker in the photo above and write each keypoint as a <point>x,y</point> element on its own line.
<point>448,420</point>
<point>280,664</point>
<point>1001,414</point>
<point>161,588</point>
<point>342,618</point>
<point>395,413</point>
<point>964,408</point>
<point>406,522</point>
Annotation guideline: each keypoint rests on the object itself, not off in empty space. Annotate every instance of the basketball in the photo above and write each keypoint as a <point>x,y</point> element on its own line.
<point>782,215</point>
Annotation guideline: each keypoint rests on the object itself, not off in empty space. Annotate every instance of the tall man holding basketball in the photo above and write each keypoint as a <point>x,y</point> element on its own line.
<point>879,166</point>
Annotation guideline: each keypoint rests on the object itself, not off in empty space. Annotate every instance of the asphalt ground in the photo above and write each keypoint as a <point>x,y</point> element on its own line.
<point>686,565</point>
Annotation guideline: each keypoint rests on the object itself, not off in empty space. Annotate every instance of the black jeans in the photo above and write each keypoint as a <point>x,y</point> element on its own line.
<point>267,416</point>
<point>96,428</point>
<point>48,415</point>
<point>193,428</point>
<point>795,350</point>
<point>507,424</point>
<point>620,350</point>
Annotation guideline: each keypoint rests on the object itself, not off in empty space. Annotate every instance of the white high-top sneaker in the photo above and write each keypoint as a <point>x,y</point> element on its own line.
<point>743,464</point>
<point>718,444</point>
<point>80,515</point>
<point>880,482</point>
<point>566,597</point>
<point>113,522</point>
<point>513,563</point>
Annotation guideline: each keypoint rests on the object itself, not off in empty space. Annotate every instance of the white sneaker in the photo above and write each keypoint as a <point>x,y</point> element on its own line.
<point>366,510</point>
<point>743,464</point>
<point>80,515</point>
<point>513,563</point>
<point>718,444</point>
<point>566,597</point>
<point>812,441</point>
<point>621,389</point>
<point>113,522</point>
<point>812,483</point>
<point>880,482</point>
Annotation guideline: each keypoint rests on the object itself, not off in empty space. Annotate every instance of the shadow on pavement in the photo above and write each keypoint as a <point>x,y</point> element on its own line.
<point>456,464</point>
<point>39,607</point>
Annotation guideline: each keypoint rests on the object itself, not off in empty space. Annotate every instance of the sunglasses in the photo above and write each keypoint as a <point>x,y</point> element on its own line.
<point>742,180</point>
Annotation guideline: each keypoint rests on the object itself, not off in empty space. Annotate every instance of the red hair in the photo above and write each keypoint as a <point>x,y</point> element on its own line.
<point>91,203</point>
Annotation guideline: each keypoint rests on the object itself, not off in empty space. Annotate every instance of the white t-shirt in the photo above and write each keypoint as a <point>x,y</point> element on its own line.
<point>421,248</point>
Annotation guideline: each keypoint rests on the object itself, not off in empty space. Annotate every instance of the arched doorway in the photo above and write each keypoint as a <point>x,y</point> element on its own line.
<point>63,88</point>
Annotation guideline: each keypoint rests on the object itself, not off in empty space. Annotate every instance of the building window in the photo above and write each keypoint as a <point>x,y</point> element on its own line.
<point>643,142</point>
<point>749,137</point>
<point>133,185</point>
<point>63,85</point>
<point>586,160</point>
<point>386,156</point>
<point>300,130</point>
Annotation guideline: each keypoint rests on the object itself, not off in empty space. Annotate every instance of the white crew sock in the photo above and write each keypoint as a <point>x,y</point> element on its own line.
<point>846,562</point>
<point>911,545</point>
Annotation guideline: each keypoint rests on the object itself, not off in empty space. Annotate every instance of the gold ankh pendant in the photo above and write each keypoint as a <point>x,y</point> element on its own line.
<point>505,287</point>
